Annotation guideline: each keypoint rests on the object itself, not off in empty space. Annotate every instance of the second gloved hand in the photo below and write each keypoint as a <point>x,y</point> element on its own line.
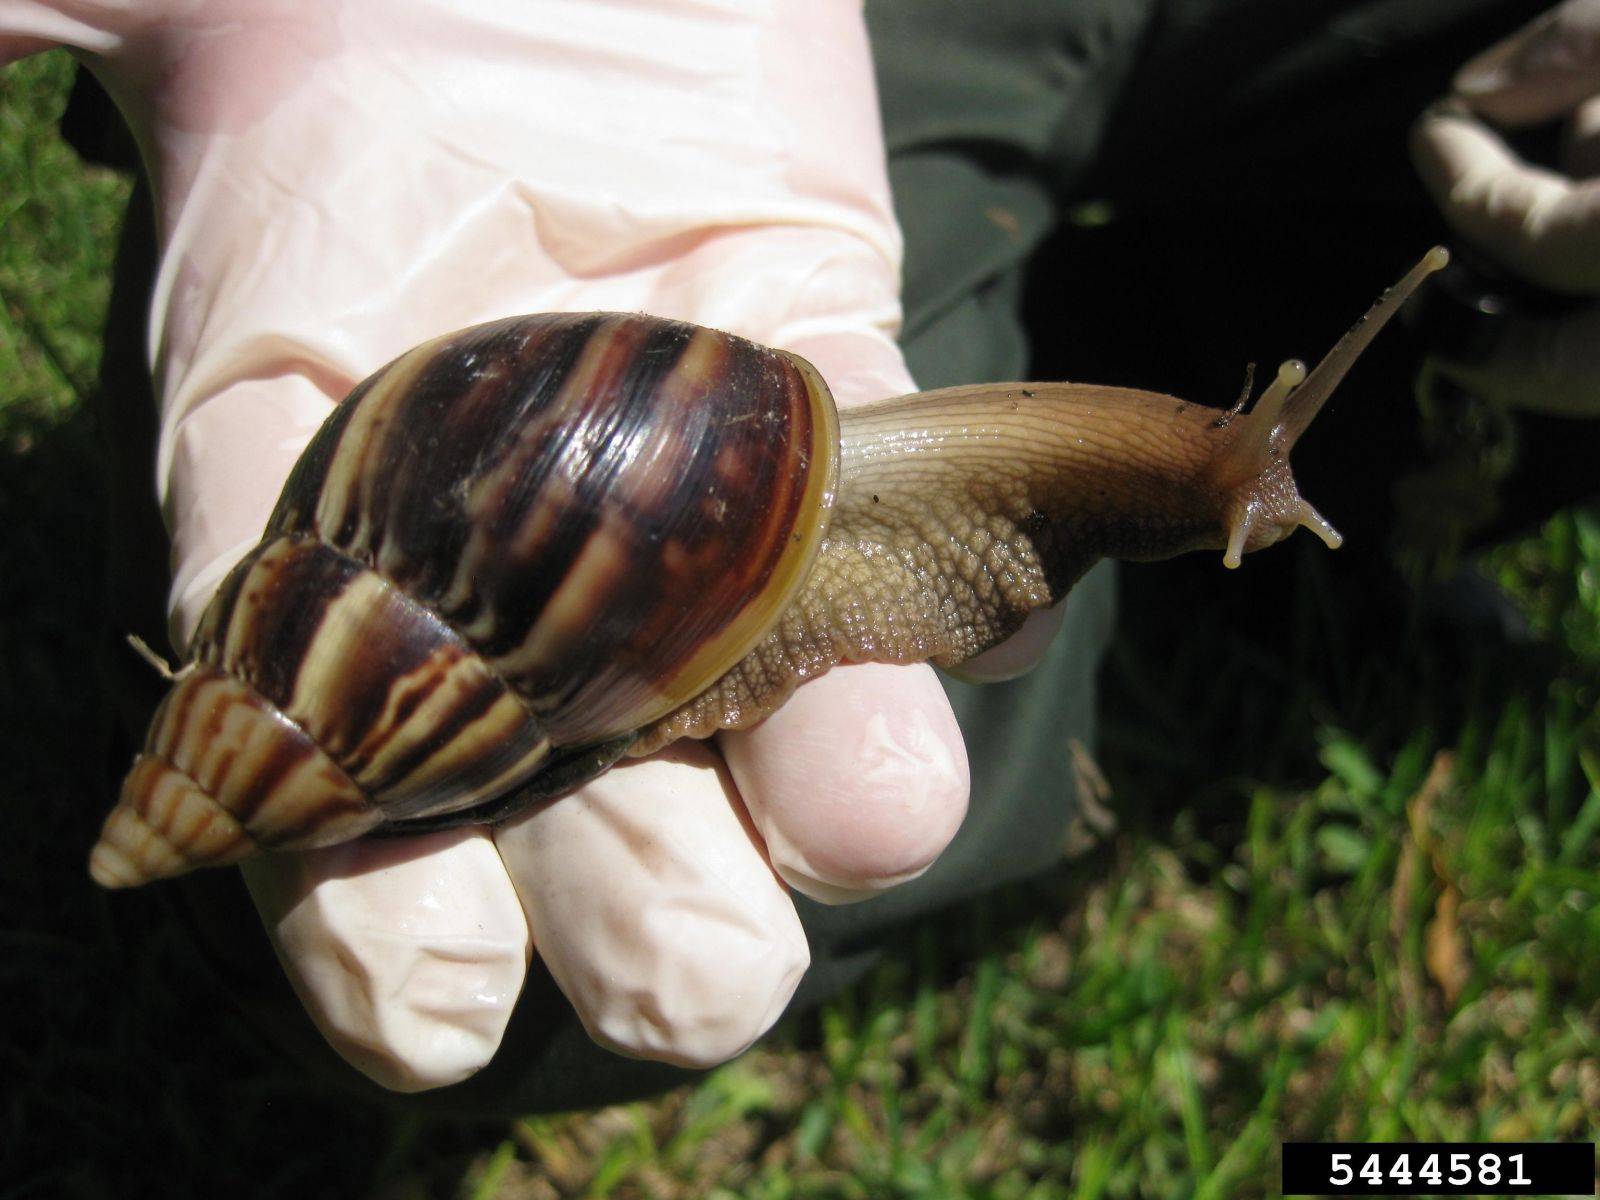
<point>1541,223</point>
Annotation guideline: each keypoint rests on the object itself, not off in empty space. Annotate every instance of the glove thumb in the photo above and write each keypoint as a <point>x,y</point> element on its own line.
<point>1547,365</point>
<point>1540,72</point>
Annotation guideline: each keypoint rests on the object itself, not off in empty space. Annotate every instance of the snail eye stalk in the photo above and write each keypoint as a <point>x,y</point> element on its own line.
<point>1259,512</point>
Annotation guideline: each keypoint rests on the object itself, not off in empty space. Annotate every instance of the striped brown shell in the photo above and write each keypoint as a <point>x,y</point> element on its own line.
<point>502,554</point>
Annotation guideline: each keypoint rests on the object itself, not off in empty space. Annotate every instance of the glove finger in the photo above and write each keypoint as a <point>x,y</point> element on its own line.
<point>1539,224</point>
<point>857,783</point>
<point>408,953</point>
<point>1541,71</point>
<point>650,899</point>
<point>1019,653</point>
<point>1580,149</point>
<point>1548,365</point>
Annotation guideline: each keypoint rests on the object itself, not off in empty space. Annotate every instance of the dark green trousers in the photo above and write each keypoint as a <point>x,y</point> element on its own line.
<point>1003,118</point>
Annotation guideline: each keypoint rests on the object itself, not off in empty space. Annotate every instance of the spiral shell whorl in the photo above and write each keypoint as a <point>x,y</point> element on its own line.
<point>612,508</point>
<point>543,532</point>
<point>321,702</point>
<point>223,775</point>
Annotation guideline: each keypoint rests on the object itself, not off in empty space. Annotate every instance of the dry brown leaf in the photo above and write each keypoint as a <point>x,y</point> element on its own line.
<point>1414,853</point>
<point>1446,950</point>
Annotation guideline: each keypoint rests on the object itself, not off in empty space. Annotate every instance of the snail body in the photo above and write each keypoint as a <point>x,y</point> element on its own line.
<point>523,550</point>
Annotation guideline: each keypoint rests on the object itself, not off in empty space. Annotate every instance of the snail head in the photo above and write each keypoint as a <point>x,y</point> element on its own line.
<point>1262,503</point>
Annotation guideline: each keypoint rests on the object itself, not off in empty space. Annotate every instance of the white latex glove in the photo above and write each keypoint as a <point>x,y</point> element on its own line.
<point>336,183</point>
<point>1539,223</point>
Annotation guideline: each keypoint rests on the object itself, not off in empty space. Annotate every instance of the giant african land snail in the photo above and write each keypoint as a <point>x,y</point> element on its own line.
<point>523,550</point>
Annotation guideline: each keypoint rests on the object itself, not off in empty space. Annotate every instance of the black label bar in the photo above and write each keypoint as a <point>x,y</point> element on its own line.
<point>1438,1168</point>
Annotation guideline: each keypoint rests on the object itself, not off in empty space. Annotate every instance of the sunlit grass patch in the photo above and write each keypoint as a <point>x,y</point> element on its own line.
<point>58,225</point>
<point>1397,955</point>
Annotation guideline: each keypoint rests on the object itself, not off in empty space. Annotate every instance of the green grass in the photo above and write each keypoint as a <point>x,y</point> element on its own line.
<point>59,224</point>
<point>1360,903</point>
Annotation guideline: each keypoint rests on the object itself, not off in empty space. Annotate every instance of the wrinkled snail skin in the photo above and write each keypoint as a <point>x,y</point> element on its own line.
<point>524,549</point>
<point>960,511</point>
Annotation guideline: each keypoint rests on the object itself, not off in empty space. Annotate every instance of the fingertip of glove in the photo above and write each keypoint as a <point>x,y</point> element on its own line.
<point>858,783</point>
<point>656,911</point>
<point>445,1055</point>
<point>1019,653</point>
<point>408,955</point>
<point>715,992</point>
<point>825,891</point>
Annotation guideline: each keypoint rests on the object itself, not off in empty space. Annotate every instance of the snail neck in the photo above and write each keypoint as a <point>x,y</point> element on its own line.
<point>959,512</point>
<point>1038,478</point>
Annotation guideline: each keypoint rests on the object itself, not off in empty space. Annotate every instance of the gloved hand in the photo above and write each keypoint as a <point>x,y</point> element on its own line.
<point>1541,224</point>
<point>338,183</point>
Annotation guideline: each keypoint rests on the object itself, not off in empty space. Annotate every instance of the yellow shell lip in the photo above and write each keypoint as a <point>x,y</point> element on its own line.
<point>794,567</point>
<point>825,450</point>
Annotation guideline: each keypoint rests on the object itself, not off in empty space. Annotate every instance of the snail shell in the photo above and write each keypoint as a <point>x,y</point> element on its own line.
<point>522,550</point>
<point>541,533</point>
